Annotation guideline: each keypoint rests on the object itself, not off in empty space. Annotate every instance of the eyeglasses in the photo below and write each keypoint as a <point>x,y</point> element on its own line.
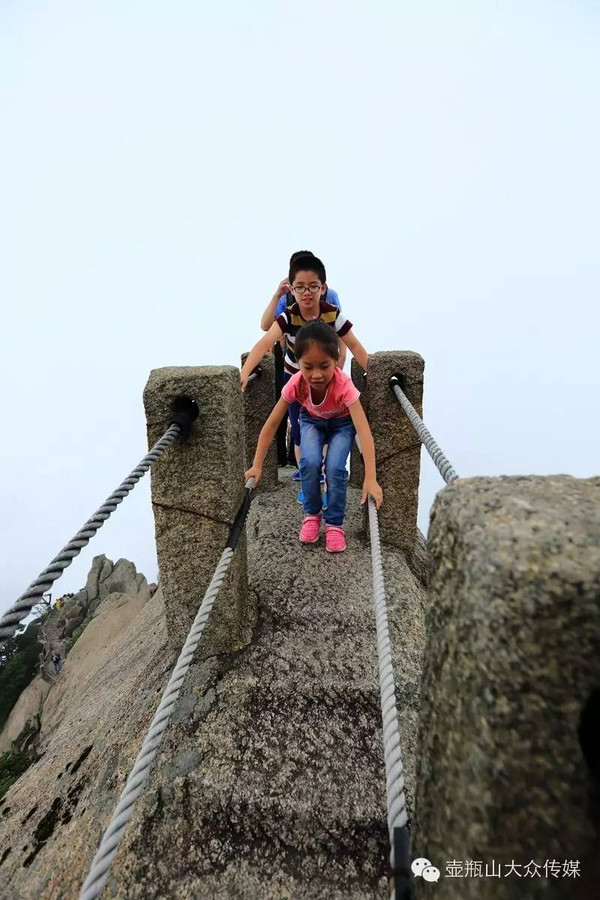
<point>311,288</point>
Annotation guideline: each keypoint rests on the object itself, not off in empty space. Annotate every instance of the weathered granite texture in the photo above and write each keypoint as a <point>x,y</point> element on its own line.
<point>512,658</point>
<point>403,465</point>
<point>112,619</point>
<point>94,718</point>
<point>270,782</point>
<point>24,718</point>
<point>397,445</point>
<point>197,487</point>
<point>419,562</point>
<point>259,400</point>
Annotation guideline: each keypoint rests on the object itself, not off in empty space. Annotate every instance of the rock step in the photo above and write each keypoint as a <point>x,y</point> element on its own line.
<point>275,783</point>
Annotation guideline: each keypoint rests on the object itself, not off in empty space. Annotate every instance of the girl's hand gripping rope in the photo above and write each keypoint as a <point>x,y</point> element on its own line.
<point>370,486</point>
<point>253,472</point>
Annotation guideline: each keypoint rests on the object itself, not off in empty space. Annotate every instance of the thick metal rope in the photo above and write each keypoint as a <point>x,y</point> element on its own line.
<point>111,840</point>
<point>394,769</point>
<point>444,467</point>
<point>23,606</point>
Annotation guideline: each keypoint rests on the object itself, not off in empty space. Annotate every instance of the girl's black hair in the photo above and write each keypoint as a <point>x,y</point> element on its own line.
<point>317,333</point>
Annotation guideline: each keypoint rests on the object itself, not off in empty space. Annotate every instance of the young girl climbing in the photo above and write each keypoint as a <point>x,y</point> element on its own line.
<point>332,414</point>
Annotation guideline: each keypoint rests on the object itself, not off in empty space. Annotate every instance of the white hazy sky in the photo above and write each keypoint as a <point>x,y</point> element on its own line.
<point>159,162</point>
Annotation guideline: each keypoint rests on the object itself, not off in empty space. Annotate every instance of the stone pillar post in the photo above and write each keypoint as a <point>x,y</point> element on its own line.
<point>197,487</point>
<point>509,752</point>
<point>259,400</point>
<point>356,466</point>
<point>397,445</point>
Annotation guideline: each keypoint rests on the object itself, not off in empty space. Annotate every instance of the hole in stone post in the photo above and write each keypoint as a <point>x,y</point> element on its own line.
<point>184,411</point>
<point>185,404</point>
<point>401,380</point>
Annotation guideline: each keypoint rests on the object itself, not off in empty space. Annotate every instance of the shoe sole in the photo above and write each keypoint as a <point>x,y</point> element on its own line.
<point>314,540</point>
<point>341,550</point>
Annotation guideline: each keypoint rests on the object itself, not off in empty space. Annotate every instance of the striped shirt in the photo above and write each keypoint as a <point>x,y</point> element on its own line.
<point>290,321</point>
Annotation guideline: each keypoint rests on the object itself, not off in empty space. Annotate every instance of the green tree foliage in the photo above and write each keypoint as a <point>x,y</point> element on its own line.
<point>19,661</point>
<point>12,765</point>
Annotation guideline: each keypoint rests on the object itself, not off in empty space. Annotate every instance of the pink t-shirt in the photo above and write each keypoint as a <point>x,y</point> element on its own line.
<point>340,393</point>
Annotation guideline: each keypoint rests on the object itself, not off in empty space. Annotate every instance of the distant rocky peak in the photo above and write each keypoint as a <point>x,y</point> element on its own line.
<point>72,613</point>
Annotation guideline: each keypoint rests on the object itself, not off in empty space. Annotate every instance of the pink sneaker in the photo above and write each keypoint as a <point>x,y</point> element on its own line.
<point>309,533</point>
<point>335,539</point>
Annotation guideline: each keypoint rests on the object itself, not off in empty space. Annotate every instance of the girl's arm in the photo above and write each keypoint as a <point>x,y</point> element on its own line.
<point>269,314</point>
<point>367,446</point>
<point>258,351</point>
<point>356,349</point>
<point>267,433</point>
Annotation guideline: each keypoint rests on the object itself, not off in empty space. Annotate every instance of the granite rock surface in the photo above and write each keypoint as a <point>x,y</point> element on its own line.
<point>510,745</point>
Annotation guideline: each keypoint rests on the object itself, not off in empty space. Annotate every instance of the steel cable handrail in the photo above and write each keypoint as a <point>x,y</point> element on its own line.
<point>443,465</point>
<point>23,606</point>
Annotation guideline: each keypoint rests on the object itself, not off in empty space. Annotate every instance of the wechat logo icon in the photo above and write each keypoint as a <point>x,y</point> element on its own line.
<point>422,868</point>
